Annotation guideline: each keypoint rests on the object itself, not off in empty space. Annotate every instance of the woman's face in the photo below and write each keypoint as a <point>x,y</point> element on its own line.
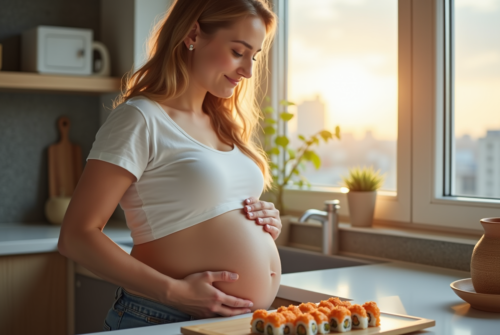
<point>222,60</point>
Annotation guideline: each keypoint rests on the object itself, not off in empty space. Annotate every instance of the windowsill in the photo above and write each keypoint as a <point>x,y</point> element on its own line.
<point>468,239</point>
<point>413,233</point>
<point>468,201</point>
<point>333,189</point>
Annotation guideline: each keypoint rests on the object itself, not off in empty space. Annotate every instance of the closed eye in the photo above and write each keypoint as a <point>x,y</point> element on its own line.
<point>239,55</point>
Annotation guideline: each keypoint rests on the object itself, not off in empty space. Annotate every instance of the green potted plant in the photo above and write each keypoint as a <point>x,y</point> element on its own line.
<point>363,184</point>
<point>289,173</point>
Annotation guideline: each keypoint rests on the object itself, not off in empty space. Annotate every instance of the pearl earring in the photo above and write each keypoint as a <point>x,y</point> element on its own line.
<point>191,47</point>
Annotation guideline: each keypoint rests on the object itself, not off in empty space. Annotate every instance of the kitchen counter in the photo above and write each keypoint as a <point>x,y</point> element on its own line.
<point>28,238</point>
<point>398,287</point>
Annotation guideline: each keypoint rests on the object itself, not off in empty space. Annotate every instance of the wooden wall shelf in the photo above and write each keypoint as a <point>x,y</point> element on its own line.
<point>30,81</point>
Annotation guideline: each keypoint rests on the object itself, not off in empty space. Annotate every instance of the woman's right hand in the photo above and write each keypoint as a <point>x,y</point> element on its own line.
<point>196,296</point>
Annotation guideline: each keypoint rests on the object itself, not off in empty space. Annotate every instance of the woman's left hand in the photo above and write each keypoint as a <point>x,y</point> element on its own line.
<point>265,214</point>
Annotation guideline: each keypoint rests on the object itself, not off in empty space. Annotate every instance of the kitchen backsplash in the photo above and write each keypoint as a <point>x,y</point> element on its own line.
<point>28,126</point>
<point>440,253</point>
<point>28,121</point>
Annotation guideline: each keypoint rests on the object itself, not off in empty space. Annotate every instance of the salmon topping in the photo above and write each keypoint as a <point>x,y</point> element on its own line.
<point>357,309</point>
<point>260,313</point>
<point>294,309</point>
<point>276,319</point>
<point>289,316</point>
<point>307,307</point>
<point>325,310</point>
<point>318,316</point>
<point>326,303</point>
<point>305,317</point>
<point>339,312</point>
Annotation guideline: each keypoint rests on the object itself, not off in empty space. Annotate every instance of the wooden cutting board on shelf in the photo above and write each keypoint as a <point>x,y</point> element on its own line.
<point>65,162</point>
<point>390,324</point>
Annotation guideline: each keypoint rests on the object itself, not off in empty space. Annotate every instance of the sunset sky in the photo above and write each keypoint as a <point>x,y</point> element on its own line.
<point>346,51</point>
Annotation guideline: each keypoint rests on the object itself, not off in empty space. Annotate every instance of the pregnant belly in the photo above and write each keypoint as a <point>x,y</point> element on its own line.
<point>229,242</point>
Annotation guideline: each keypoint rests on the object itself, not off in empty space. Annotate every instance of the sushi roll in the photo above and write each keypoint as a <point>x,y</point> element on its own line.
<point>274,324</point>
<point>258,320</point>
<point>340,319</point>
<point>373,313</point>
<point>294,309</point>
<point>337,302</point>
<point>325,303</point>
<point>322,321</point>
<point>305,324</point>
<point>307,307</point>
<point>358,316</point>
<point>290,317</point>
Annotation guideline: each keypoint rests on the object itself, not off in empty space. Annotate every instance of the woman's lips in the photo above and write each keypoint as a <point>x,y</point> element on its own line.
<point>232,81</point>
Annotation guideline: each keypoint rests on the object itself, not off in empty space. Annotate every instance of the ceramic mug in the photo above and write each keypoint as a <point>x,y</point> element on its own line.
<point>485,262</point>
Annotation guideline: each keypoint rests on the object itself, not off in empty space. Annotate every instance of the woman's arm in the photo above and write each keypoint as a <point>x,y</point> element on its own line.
<point>96,196</point>
<point>81,239</point>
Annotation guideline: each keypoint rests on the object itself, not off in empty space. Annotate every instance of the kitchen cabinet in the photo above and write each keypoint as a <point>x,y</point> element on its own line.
<point>93,299</point>
<point>34,294</point>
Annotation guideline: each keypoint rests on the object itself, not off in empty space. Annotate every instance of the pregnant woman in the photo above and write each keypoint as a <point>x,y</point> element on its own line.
<point>177,152</point>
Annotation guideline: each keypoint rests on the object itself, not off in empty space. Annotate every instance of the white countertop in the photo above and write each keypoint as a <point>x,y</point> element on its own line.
<point>28,238</point>
<point>398,287</point>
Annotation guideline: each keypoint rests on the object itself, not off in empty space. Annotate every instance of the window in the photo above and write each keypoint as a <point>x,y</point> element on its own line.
<point>476,102</point>
<point>431,151</point>
<point>446,175</point>
<point>342,70</point>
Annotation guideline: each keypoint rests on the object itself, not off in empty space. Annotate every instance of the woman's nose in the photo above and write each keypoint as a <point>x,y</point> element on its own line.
<point>246,70</point>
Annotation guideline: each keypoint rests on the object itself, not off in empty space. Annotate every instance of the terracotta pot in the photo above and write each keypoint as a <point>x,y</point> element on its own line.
<point>485,262</point>
<point>361,207</point>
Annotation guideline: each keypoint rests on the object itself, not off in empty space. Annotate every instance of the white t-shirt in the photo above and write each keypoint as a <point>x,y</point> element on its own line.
<point>180,181</point>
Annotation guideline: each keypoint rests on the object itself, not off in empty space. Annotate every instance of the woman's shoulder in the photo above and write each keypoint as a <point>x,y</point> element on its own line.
<point>145,105</point>
<point>135,108</point>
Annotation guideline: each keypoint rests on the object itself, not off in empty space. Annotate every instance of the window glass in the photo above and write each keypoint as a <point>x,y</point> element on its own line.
<point>477,98</point>
<point>342,70</point>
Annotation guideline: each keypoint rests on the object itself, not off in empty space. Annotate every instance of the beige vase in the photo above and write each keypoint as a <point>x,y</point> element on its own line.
<point>485,262</point>
<point>361,207</point>
<point>55,209</point>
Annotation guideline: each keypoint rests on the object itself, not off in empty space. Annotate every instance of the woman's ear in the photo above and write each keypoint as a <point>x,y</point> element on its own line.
<point>193,35</point>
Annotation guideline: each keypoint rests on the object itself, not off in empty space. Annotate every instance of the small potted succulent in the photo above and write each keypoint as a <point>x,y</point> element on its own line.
<point>294,159</point>
<point>363,184</point>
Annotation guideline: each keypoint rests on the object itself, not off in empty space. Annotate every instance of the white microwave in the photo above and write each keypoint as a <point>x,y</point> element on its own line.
<point>61,50</point>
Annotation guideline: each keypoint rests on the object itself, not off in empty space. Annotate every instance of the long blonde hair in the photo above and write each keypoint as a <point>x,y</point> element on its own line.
<point>165,73</point>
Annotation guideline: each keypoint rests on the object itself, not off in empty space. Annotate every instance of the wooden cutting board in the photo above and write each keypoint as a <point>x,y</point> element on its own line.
<point>390,324</point>
<point>65,162</point>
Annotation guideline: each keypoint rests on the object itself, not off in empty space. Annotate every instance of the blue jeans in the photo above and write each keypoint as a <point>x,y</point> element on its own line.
<point>131,311</point>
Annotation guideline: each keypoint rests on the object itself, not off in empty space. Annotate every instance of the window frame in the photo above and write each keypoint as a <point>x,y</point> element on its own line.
<point>431,205</point>
<point>421,111</point>
<point>390,206</point>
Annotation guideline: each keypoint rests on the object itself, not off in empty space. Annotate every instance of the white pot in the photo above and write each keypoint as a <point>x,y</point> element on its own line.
<point>361,207</point>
